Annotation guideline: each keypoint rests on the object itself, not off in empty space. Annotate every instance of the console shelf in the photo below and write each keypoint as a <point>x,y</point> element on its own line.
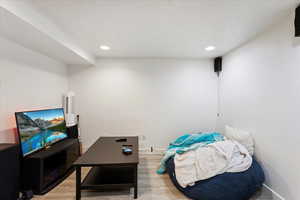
<point>100,177</point>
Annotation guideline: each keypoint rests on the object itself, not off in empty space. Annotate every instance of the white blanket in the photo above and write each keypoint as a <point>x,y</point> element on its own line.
<point>209,161</point>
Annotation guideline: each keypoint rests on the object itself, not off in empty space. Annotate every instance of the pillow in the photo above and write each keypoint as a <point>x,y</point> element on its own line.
<point>243,137</point>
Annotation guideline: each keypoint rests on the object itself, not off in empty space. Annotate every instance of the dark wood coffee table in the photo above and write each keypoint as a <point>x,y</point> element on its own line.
<point>111,169</point>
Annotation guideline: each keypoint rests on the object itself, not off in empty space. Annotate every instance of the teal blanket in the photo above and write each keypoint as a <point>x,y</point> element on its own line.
<point>186,143</point>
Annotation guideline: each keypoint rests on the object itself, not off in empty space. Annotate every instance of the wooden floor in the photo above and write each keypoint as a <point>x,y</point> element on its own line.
<point>151,186</point>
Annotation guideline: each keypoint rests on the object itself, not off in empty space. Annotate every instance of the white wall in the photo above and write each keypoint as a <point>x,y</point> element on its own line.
<point>157,98</point>
<point>28,80</point>
<point>260,92</point>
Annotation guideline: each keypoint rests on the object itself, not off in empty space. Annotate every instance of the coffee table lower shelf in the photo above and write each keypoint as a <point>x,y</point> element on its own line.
<point>107,178</point>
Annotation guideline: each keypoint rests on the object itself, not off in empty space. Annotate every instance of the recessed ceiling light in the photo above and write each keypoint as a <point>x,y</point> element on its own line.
<point>210,48</point>
<point>104,47</point>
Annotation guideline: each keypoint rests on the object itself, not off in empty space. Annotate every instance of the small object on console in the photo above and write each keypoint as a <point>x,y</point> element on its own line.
<point>121,140</point>
<point>126,150</point>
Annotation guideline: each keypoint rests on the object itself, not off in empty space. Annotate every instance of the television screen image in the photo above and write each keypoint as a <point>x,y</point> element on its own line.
<point>38,129</point>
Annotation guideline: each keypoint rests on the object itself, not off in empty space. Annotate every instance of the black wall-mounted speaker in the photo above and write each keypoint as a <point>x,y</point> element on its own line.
<point>9,171</point>
<point>218,65</point>
<point>297,22</point>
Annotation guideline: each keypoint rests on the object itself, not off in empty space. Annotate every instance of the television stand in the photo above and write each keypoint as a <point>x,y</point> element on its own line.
<point>45,169</point>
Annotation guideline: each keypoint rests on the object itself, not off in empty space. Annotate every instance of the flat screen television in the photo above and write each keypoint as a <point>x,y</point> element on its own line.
<point>41,128</point>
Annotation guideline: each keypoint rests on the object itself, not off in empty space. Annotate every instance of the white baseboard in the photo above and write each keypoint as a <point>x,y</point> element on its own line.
<point>274,194</point>
<point>155,151</point>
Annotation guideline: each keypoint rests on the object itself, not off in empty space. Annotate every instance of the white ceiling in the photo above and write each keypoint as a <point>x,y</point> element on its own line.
<point>25,34</point>
<point>163,28</point>
<point>21,23</point>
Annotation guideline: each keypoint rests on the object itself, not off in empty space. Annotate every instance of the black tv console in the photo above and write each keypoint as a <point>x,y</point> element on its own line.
<point>9,171</point>
<point>43,170</point>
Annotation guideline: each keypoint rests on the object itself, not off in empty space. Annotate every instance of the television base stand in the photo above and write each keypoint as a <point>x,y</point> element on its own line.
<point>44,170</point>
<point>58,181</point>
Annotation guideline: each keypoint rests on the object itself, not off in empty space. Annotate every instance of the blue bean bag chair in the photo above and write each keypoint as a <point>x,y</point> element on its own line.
<point>227,186</point>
